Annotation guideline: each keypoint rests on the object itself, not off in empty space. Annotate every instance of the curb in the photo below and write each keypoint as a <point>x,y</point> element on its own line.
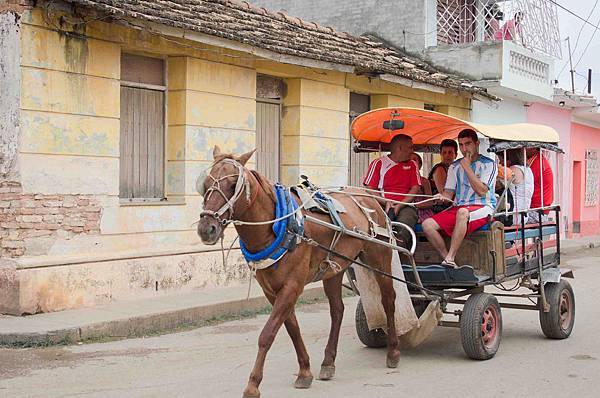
<point>158,323</point>
<point>581,246</point>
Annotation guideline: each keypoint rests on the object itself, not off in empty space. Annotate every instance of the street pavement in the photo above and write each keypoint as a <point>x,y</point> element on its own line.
<point>215,361</point>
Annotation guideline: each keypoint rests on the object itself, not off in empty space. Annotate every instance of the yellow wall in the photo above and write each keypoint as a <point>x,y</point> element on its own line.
<point>70,118</point>
<point>315,136</point>
<point>213,104</point>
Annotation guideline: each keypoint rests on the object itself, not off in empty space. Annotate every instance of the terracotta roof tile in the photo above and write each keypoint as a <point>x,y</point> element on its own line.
<point>277,32</point>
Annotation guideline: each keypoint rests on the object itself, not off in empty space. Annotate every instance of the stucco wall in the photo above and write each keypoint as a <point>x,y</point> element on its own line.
<point>477,61</point>
<point>560,120</point>
<point>315,136</point>
<point>400,22</point>
<point>503,112</point>
<point>70,140</point>
<point>10,78</point>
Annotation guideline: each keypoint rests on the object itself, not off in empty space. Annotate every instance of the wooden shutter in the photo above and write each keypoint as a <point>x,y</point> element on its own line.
<point>142,143</point>
<point>358,163</point>
<point>268,117</point>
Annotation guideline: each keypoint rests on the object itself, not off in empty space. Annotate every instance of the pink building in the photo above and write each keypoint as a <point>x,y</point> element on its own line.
<point>577,173</point>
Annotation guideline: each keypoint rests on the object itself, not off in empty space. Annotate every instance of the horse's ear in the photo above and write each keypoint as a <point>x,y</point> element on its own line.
<point>216,151</point>
<point>245,157</point>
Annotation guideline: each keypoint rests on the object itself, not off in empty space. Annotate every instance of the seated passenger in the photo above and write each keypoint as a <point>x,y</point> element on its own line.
<point>503,196</point>
<point>395,174</point>
<point>520,185</point>
<point>423,209</point>
<point>470,182</point>
<point>545,175</point>
<point>439,172</point>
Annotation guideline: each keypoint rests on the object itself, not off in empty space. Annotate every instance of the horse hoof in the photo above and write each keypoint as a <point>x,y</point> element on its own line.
<point>303,382</point>
<point>392,362</point>
<point>251,394</point>
<point>327,372</point>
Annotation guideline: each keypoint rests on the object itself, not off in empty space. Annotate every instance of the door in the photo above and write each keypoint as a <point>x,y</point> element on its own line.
<point>268,121</point>
<point>358,163</point>
<point>576,203</point>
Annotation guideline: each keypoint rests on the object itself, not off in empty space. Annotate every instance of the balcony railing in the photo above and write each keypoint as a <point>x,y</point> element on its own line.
<point>531,23</point>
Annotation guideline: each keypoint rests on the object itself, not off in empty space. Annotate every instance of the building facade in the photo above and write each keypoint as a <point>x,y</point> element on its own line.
<point>111,113</point>
<point>577,120</point>
<point>510,47</point>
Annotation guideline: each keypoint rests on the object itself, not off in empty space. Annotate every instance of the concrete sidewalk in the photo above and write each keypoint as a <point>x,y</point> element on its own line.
<point>137,318</point>
<point>161,314</point>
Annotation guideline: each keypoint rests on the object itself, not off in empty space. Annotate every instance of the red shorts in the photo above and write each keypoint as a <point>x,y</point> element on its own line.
<point>447,218</point>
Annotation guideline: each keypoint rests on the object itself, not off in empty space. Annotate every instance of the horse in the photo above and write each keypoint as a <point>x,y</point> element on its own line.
<point>233,192</point>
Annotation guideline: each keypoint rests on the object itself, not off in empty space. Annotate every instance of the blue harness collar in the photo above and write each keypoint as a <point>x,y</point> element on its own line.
<point>285,230</point>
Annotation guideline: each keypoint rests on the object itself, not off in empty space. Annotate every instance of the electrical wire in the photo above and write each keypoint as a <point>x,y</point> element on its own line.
<point>578,37</point>
<point>586,48</point>
<point>572,13</point>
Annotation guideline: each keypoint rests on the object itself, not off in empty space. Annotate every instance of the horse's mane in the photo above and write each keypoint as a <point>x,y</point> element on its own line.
<point>264,184</point>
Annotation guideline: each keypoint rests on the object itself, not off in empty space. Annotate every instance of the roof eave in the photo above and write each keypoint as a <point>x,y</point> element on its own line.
<point>296,60</point>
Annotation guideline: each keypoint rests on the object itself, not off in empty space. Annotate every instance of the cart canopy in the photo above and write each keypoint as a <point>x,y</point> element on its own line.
<point>375,129</point>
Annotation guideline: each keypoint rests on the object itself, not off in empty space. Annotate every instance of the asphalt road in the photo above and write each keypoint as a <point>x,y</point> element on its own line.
<point>215,361</point>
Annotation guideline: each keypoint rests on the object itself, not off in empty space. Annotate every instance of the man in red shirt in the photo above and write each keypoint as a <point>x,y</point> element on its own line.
<point>541,178</point>
<point>394,175</point>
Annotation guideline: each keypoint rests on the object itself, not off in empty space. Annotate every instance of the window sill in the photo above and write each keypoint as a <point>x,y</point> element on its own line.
<point>176,201</point>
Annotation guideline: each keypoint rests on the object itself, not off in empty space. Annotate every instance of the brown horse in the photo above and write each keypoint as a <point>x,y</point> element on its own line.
<point>232,192</point>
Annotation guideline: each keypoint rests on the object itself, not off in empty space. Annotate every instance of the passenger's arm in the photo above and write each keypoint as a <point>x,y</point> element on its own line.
<point>414,190</point>
<point>450,188</point>
<point>425,191</point>
<point>439,178</point>
<point>478,186</point>
<point>448,194</point>
<point>518,175</point>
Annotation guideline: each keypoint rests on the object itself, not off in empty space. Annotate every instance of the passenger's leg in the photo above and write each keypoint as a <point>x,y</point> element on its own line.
<point>407,215</point>
<point>460,230</point>
<point>432,231</point>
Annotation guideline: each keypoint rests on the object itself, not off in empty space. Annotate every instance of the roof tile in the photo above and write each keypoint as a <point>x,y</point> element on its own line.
<point>240,21</point>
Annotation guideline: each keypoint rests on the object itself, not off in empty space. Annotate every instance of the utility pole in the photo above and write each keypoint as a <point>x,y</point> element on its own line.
<point>571,63</point>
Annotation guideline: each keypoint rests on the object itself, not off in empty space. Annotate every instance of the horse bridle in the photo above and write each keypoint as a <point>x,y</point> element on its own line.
<point>242,184</point>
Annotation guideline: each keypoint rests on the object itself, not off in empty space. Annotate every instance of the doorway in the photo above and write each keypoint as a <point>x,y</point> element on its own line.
<point>358,163</point>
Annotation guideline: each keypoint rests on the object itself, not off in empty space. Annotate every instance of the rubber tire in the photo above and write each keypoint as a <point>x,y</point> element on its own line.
<point>371,338</point>
<point>470,326</point>
<point>550,321</point>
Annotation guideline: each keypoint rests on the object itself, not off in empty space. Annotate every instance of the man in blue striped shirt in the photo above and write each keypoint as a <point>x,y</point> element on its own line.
<point>470,184</point>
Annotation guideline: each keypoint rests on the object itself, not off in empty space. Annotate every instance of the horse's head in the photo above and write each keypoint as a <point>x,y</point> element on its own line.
<point>221,187</point>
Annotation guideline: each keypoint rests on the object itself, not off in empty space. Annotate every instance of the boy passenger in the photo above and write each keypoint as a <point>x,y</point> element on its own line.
<point>396,175</point>
<point>470,183</point>
<point>439,172</point>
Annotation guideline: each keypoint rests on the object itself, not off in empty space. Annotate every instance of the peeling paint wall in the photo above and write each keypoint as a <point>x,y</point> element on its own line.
<point>69,148</point>
<point>315,138</point>
<point>96,283</point>
<point>10,84</point>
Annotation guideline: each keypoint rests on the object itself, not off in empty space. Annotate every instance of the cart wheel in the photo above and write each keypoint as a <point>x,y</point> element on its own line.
<point>481,326</point>
<point>371,338</point>
<point>559,321</point>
